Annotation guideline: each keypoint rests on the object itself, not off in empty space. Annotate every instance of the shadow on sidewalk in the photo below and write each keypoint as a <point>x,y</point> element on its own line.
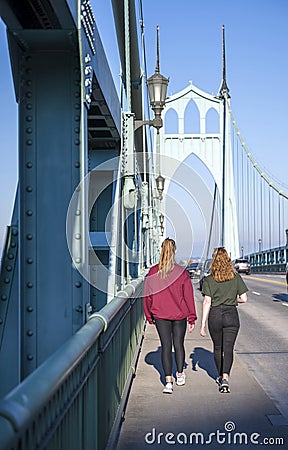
<point>204,360</point>
<point>200,357</point>
<point>280,297</point>
<point>154,359</point>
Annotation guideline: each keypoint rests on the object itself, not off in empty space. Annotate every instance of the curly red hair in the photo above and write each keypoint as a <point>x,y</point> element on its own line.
<point>221,267</point>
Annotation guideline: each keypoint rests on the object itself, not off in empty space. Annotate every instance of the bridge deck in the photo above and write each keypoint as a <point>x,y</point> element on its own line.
<point>197,407</point>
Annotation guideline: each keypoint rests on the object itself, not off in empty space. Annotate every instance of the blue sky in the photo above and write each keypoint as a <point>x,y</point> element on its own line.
<point>190,45</point>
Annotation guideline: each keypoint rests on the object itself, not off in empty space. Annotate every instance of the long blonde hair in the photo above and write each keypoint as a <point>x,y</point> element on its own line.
<point>221,267</point>
<point>167,257</point>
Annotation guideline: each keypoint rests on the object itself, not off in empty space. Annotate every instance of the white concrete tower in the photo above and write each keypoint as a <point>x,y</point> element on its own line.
<point>213,149</point>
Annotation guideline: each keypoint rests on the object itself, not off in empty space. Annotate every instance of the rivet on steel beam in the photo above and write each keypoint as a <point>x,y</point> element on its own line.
<point>29,285</point>
<point>29,94</point>
<point>29,212</point>
<point>14,232</point>
<point>30,357</point>
<point>29,142</point>
<point>28,82</point>
<point>78,212</point>
<point>29,333</point>
<point>77,165</point>
<point>29,118</point>
<point>29,237</point>
<point>29,165</point>
<point>77,142</point>
<point>10,256</point>
<point>13,244</point>
<point>29,309</point>
<point>29,130</point>
<point>7,280</point>
<point>8,268</point>
<point>78,284</point>
<point>78,260</point>
<point>29,260</point>
<point>77,236</point>
<point>29,106</point>
<point>4,297</point>
<point>77,118</point>
<point>29,189</point>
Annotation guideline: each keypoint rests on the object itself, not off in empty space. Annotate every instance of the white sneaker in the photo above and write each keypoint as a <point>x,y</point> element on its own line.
<point>168,389</point>
<point>180,379</point>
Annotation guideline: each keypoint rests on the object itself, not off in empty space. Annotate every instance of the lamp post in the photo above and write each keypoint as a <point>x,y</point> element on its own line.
<point>160,186</point>
<point>259,242</point>
<point>161,219</point>
<point>157,89</point>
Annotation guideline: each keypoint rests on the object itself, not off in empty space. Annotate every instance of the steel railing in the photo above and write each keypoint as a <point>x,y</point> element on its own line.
<point>74,400</point>
<point>270,260</point>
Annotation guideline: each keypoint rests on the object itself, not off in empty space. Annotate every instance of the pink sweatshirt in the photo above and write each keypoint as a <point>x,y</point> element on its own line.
<point>171,298</point>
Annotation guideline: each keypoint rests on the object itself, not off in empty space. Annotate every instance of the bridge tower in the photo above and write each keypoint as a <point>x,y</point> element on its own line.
<point>213,149</point>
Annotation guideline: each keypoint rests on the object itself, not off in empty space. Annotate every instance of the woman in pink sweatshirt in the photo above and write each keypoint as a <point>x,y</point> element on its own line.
<point>169,304</point>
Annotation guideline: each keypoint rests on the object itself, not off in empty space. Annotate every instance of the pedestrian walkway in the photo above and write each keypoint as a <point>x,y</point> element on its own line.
<point>197,414</point>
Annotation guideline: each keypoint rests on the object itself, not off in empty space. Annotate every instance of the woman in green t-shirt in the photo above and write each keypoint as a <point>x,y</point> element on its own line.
<point>223,289</point>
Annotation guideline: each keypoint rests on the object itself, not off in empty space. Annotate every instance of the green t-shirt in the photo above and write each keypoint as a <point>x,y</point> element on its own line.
<point>225,292</point>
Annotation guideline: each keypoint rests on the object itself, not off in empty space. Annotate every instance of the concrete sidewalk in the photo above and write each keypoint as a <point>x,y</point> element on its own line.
<point>197,414</point>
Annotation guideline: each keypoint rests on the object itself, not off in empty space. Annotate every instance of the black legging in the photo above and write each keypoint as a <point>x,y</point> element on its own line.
<point>223,323</point>
<point>172,331</point>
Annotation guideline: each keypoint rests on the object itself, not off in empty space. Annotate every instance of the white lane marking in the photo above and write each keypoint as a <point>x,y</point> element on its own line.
<point>285,304</point>
<point>256,293</point>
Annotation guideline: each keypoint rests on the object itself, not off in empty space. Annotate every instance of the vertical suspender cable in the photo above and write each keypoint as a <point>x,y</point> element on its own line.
<point>254,209</point>
<point>279,220</point>
<point>121,206</point>
<point>211,224</point>
<point>127,54</point>
<point>129,105</point>
<point>241,193</point>
<point>248,204</point>
<point>223,171</point>
<point>143,92</point>
<point>261,209</point>
<point>269,217</point>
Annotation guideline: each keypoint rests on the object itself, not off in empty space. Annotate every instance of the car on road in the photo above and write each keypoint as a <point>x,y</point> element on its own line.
<point>204,271</point>
<point>194,270</point>
<point>242,265</point>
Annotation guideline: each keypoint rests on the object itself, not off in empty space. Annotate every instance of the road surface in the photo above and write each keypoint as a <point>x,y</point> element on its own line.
<point>262,342</point>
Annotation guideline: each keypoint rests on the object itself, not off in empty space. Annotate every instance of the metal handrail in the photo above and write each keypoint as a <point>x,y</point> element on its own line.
<point>33,412</point>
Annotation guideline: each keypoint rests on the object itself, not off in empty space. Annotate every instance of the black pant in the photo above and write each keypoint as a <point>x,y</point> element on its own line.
<point>223,323</point>
<point>172,331</point>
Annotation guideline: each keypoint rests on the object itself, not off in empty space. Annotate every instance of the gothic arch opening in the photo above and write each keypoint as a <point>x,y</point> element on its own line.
<point>212,121</point>
<point>191,118</point>
<point>192,209</point>
<point>171,122</point>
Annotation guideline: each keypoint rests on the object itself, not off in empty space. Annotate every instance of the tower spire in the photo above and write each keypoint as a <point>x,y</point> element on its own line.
<point>157,69</point>
<point>224,88</point>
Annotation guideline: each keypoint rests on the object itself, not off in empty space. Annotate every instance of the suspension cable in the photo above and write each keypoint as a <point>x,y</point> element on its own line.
<point>255,165</point>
